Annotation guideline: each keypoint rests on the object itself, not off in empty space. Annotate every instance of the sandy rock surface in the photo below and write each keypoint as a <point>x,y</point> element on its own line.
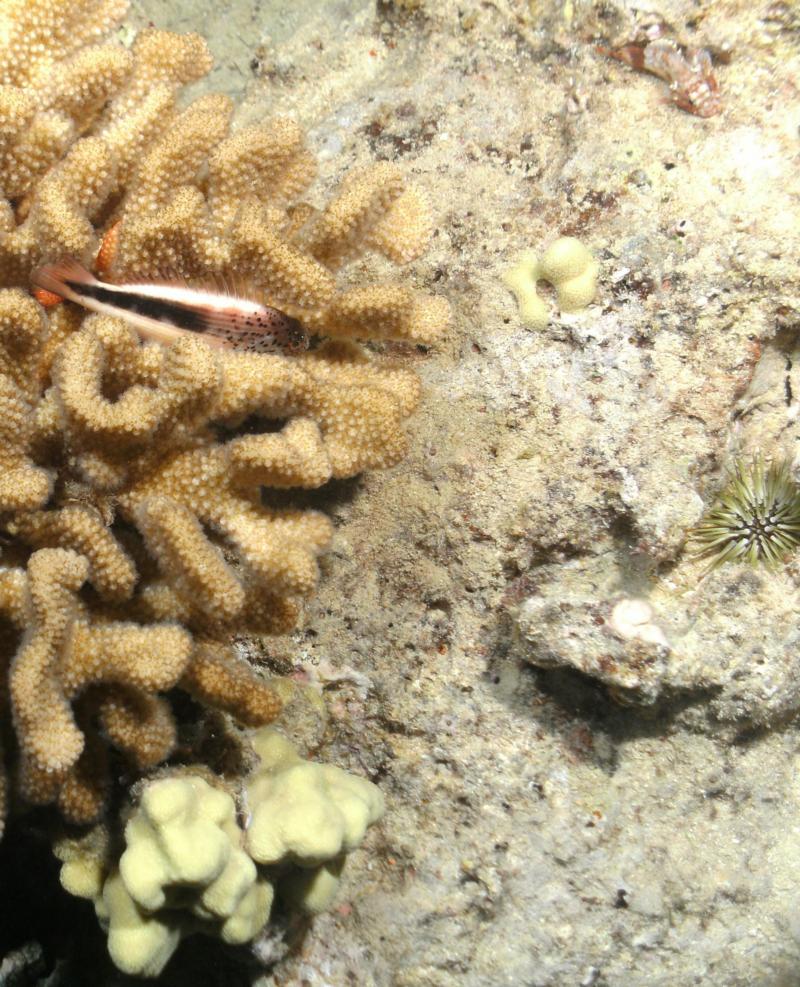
<point>588,747</point>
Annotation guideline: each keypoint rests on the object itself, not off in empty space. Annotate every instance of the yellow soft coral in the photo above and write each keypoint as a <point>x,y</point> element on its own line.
<point>112,670</point>
<point>183,870</point>
<point>308,813</point>
<point>183,846</point>
<point>131,485</point>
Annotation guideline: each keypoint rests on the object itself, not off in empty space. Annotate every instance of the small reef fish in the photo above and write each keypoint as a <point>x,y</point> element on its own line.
<point>164,311</point>
<point>689,72</point>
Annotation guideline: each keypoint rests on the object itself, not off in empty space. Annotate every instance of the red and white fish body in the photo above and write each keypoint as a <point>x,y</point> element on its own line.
<point>689,72</point>
<point>164,311</point>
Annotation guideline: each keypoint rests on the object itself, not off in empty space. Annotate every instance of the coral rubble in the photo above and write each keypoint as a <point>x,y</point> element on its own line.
<point>135,537</point>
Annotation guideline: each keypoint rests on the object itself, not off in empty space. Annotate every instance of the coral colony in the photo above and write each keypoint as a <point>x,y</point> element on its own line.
<point>188,866</point>
<point>568,266</point>
<point>135,539</point>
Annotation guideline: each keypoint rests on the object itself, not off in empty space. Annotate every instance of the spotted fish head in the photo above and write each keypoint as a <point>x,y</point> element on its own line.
<point>295,335</point>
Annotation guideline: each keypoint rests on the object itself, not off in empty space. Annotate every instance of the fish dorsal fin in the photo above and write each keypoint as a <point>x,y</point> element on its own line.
<point>231,286</point>
<point>235,286</point>
<point>166,276</point>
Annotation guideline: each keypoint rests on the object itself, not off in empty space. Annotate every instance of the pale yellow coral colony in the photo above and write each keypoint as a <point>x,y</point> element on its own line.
<point>135,541</point>
<point>188,866</point>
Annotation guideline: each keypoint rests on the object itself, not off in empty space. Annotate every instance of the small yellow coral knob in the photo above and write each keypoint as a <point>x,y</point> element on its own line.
<point>572,271</point>
<point>567,265</point>
<point>521,279</point>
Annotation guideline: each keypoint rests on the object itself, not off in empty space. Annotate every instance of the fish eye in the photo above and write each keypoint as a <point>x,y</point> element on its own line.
<point>297,336</point>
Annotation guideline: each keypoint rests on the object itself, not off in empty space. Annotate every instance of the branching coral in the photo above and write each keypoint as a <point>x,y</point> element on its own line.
<point>70,669</point>
<point>131,493</point>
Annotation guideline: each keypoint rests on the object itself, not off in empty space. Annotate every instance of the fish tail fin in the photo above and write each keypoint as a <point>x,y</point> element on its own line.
<point>64,278</point>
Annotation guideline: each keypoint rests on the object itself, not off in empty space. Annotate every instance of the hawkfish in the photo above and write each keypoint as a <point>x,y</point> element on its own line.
<point>689,72</point>
<point>165,311</point>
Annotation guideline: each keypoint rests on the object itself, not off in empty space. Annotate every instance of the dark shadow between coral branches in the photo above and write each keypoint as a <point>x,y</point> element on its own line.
<point>327,498</point>
<point>34,909</point>
<point>61,934</point>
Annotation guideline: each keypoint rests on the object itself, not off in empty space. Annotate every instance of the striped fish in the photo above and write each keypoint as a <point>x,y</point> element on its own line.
<point>165,311</point>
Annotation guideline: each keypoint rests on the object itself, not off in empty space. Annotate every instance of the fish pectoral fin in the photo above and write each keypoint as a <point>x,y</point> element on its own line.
<point>242,341</point>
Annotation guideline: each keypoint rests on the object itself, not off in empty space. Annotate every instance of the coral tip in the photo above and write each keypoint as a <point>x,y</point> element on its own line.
<point>107,251</point>
<point>47,298</point>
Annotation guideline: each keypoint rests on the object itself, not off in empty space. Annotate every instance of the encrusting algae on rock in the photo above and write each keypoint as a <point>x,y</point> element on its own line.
<point>135,540</point>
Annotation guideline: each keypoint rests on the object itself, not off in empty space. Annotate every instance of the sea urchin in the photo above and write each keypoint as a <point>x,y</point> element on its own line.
<point>756,518</point>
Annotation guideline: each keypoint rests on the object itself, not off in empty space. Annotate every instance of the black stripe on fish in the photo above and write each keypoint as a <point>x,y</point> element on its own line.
<point>151,308</point>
